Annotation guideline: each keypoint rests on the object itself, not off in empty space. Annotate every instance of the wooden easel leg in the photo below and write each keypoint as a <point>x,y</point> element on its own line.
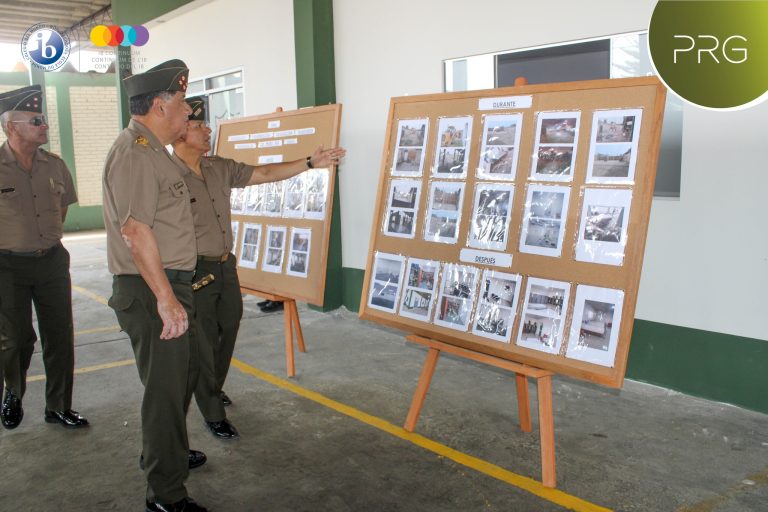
<point>523,404</point>
<point>547,432</point>
<point>421,390</point>
<point>290,367</point>
<point>297,326</point>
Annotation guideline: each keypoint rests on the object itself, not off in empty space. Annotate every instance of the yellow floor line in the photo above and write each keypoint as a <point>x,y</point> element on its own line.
<point>90,294</point>
<point>112,328</point>
<point>527,484</point>
<point>87,369</point>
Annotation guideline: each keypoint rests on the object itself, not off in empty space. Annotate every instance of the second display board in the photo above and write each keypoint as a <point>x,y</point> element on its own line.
<point>513,221</point>
<point>281,230</point>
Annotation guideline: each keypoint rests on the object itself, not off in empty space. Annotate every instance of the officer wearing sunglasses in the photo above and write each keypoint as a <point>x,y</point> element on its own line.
<point>35,190</point>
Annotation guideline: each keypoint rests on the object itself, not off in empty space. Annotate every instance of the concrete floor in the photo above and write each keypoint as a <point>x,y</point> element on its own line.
<point>638,449</point>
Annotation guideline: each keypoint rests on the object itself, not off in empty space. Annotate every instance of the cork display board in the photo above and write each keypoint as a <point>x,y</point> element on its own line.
<point>281,230</point>
<point>512,222</point>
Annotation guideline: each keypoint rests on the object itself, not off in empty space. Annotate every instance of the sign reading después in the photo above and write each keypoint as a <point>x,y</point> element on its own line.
<point>486,258</point>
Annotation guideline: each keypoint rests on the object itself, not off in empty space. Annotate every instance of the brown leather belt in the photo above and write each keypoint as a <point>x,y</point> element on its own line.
<point>214,259</point>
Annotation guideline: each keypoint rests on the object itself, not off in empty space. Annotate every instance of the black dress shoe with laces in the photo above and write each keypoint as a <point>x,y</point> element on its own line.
<point>196,459</point>
<point>222,429</point>
<point>185,505</point>
<point>68,418</point>
<point>225,399</point>
<point>11,412</point>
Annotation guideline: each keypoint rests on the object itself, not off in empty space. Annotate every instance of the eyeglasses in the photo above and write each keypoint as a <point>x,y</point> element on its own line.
<point>35,121</point>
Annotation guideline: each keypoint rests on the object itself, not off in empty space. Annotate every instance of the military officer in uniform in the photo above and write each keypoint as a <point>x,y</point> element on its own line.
<point>151,252</point>
<point>35,191</point>
<point>219,305</point>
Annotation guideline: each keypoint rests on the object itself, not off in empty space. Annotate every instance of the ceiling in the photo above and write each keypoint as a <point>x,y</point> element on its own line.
<point>16,16</point>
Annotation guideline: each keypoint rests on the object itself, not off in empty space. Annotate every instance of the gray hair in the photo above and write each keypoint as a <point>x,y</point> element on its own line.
<point>140,105</point>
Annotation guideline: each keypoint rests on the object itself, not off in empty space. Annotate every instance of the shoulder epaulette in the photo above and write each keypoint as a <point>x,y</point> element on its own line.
<point>142,141</point>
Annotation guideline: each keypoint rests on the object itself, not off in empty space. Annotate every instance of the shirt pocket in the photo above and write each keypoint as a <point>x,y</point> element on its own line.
<point>56,193</point>
<point>10,201</point>
<point>179,191</point>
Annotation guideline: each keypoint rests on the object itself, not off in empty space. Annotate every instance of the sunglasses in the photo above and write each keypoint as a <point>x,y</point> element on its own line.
<point>35,121</point>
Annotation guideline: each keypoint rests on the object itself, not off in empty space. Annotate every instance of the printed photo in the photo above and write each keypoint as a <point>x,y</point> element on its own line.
<point>300,241</point>
<point>594,332</point>
<point>276,238</point>
<point>454,131</point>
<point>254,202</point>
<point>408,161</point>
<point>416,303</point>
<point>554,160</point>
<point>612,128</point>
<point>442,227</point>
<point>457,293</point>
<point>612,160</point>
<point>541,326</point>
<point>404,194</point>
<point>400,222</point>
<point>451,161</point>
<point>412,132</point>
<point>490,216</point>
<point>298,264</point>
<point>558,130</point>
<point>274,257</point>
<point>422,274</point>
<point>603,229</point>
<point>497,161</point>
<point>453,313</point>
<point>493,322</point>
<point>497,304</point>
<point>543,222</point>
<point>315,206</point>
<point>501,131</point>
<point>249,246</point>
<point>237,200</point>
<point>273,199</point>
<point>386,279</point>
<point>446,197</point>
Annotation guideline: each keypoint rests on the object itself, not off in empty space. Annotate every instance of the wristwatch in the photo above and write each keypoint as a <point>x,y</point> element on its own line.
<point>309,163</point>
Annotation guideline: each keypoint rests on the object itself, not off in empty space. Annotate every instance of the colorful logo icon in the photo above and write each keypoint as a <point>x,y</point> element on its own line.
<point>713,54</point>
<point>45,47</point>
<point>119,35</point>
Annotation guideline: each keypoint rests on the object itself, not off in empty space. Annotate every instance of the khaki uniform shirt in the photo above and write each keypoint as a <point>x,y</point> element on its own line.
<point>210,202</point>
<point>143,181</point>
<point>31,201</point>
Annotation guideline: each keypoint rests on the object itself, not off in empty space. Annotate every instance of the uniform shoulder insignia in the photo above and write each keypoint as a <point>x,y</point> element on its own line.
<point>142,141</point>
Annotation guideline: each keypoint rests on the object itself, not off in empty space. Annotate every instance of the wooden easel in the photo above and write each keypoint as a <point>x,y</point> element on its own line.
<point>522,372</point>
<point>291,322</point>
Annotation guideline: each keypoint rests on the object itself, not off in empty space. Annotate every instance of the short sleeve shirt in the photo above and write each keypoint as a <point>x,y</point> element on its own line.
<point>31,201</point>
<point>143,181</point>
<point>210,202</point>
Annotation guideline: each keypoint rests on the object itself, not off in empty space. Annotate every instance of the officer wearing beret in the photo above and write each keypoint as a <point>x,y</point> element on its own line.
<point>151,252</point>
<point>35,190</point>
<point>219,305</point>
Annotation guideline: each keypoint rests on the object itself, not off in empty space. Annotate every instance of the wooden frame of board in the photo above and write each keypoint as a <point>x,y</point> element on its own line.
<point>256,138</point>
<point>587,97</point>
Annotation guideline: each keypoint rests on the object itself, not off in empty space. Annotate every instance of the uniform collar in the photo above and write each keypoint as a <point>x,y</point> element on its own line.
<point>8,156</point>
<point>136,128</point>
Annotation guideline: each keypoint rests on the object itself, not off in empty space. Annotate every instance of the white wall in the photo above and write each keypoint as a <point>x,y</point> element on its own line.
<point>706,263</point>
<point>215,36</point>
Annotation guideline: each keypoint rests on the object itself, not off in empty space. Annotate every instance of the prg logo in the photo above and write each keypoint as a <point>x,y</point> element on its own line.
<point>119,35</point>
<point>45,47</point>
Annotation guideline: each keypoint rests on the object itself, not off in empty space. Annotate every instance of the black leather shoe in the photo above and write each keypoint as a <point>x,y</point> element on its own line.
<point>196,459</point>
<point>271,306</point>
<point>222,429</point>
<point>185,505</point>
<point>225,399</point>
<point>68,418</point>
<point>263,303</point>
<point>11,412</point>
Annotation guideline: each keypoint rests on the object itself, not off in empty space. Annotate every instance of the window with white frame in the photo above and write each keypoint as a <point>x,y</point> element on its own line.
<point>224,95</point>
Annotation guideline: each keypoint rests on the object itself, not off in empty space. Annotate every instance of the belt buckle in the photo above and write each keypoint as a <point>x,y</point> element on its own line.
<point>224,258</point>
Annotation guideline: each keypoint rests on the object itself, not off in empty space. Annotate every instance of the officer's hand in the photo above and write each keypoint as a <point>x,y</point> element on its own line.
<point>322,158</point>
<point>174,317</point>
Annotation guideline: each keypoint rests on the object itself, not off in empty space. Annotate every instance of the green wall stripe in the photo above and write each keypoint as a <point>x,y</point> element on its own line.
<point>316,85</point>
<point>715,366</point>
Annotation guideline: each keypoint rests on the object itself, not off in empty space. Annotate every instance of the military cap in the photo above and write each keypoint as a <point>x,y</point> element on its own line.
<point>168,76</point>
<point>197,104</point>
<point>26,99</point>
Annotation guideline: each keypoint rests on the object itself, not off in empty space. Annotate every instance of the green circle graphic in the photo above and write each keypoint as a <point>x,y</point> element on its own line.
<point>711,53</point>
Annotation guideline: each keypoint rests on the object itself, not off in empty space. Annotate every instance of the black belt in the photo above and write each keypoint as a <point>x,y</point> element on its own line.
<point>31,254</point>
<point>214,259</point>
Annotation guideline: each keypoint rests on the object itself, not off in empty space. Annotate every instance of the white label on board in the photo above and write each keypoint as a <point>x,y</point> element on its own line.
<point>505,103</point>
<point>273,124</point>
<point>235,138</point>
<point>495,259</point>
<point>270,159</point>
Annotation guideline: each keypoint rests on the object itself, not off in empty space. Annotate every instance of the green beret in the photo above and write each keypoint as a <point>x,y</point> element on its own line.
<point>197,104</point>
<point>168,76</point>
<point>26,99</point>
